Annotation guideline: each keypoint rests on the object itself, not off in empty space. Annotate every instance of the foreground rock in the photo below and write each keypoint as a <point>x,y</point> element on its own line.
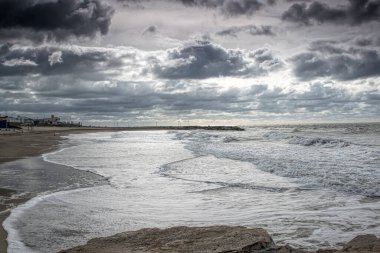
<point>360,244</point>
<point>222,239</point>
<point>180,239</point>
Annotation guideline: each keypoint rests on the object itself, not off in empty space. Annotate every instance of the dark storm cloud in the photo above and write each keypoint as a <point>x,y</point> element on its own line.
<point>250,29</point>
<point>355,13</point>
<point>14,83</point>
<point>132,3</point>
<point>121,96</point>
<point>317,98</point>
<point>53,20</point>
<point>320,12</point>
<point>198,60</point>
<point>368,41</point>
<point>127,98</point>
<point>230,7</point>
<point>291,1</point>
<point>56,60</point>
<point>348,46</point>
<point>321,98</point>
<point>337,63</point>
<point>79,80</point>
<point>327,47</point>
<point>205,60</point>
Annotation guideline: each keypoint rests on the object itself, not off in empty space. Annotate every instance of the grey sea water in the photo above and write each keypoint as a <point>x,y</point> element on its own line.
<point>309,186</point>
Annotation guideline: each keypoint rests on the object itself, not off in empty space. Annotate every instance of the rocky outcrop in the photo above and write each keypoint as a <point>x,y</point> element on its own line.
<point>360,244</point>
<point>180,239</point>
<point>221,239</point>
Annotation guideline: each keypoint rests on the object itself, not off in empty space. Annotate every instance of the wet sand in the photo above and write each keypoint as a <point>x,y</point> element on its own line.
<point>3,233</point>
<point>6,203</point>
<point>24,171</point>
<point>4,193</point>
<point>16,144</point>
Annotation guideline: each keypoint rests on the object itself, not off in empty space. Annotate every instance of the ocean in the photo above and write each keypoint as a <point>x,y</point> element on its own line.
<point>310,186</point>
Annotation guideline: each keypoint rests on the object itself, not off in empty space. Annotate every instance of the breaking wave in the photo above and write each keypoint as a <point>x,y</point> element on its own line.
<point>316,158</point>
<point>307,141</point>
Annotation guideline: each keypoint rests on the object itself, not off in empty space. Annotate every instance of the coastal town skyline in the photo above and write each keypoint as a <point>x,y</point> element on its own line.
<point>222,62</point>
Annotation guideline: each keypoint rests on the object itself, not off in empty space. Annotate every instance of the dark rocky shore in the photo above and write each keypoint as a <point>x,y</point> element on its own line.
<point>221,239</point>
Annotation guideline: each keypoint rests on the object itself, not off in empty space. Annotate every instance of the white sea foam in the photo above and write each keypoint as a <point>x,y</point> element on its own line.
<point>15,242</point>
<point>318,160</point>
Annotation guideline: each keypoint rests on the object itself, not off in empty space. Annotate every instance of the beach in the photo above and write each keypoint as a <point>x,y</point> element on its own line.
<point>102,184</point>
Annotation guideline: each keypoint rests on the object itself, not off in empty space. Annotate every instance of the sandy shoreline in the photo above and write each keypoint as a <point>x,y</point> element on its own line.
<point>16,145</point>
<point>27,144</point>
<point>4,193</point>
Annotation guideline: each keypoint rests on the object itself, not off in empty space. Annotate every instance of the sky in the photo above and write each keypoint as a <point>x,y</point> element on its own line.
<point>210,62</point>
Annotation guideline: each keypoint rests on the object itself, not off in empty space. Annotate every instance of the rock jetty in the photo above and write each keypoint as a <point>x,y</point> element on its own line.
<point>211,128</point>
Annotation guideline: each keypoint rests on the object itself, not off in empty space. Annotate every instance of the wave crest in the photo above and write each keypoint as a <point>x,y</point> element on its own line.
<point>307,141</point>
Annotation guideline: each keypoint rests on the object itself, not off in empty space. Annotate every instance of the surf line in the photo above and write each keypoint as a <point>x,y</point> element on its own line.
<point>166,167</point>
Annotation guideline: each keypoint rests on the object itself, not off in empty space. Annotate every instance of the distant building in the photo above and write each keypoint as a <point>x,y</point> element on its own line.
<point>4,122</point>
<point>20,120</point>
<point>52,121</point>
<point>11,119</point>
<point>8,123</point>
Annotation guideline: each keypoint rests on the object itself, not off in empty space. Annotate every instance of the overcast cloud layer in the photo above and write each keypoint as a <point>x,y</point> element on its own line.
<point>204,61</point>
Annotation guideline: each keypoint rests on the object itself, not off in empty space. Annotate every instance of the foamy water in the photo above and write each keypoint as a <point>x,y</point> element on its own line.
<point>309,187</point>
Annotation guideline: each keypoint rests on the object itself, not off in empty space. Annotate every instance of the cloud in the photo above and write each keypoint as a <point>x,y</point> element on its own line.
<point>328,47</point>
<point>355,13</point>
<point>240,7</point>
<point>39,20</point>
<point>291,1</point>
<point>320,12</point>
<point>194,60</point>
<point>367,41</point>
<point>334,61</point>
<point>107,83</point>
<point>58,60</point>
<point>55,58</point>
<point>319,97</point>
<point>204,60</point>
<point>250,29</point>
<point>19,62</point>
<point>230,7</point>
<point>64,94</point>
